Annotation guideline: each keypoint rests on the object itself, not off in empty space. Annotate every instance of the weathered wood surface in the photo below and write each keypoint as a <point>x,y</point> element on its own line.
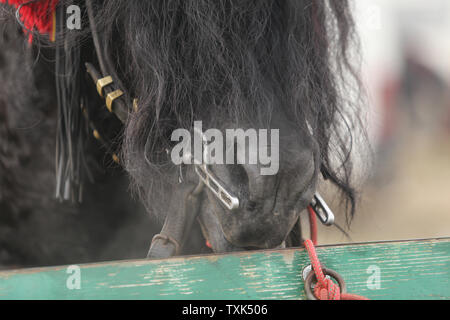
<point>408,270</point>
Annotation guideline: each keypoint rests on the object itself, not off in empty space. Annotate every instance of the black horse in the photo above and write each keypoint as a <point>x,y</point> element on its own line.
<point>260,64</point>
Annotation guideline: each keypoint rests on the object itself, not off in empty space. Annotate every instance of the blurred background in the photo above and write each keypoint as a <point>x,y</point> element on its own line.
<point>405,47</point>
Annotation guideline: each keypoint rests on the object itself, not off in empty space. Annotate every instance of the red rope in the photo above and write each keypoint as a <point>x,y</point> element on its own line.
<point>325,289</point>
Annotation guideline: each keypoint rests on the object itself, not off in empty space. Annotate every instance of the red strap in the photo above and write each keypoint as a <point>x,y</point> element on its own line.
<point>312,225</point>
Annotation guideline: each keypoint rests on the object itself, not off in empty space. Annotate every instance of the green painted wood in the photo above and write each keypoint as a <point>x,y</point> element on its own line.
<point>408,270</point>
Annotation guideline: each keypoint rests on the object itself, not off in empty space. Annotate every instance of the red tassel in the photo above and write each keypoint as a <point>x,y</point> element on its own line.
<point>37,15</point>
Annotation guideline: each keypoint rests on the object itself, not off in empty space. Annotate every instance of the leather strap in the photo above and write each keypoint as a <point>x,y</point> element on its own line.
<point>109,89</point>
<point>177,226</point>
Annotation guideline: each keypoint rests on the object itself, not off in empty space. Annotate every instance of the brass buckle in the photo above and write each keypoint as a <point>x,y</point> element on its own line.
<point>103,82</point>
<point>111,97</point>
<point>135,105</point>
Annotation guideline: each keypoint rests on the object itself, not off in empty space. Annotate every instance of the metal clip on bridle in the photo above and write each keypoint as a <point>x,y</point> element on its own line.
<point>322,210</point>
<point>226,198</point>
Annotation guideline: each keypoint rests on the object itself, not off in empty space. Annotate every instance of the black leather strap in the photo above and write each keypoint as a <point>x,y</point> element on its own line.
<point>177,226</point>
<point>119,107</point>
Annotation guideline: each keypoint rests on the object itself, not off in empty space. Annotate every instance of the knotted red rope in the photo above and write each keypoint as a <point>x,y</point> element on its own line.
<point>325,288</point>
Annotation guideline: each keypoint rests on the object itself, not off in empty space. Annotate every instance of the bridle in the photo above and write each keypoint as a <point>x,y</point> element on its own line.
<point>176,227</point>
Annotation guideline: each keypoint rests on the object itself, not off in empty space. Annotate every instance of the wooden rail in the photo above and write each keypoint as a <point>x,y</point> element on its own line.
<point>417,269</point>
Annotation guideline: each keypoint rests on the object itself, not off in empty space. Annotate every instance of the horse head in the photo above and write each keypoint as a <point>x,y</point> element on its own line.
<point>273,67</point>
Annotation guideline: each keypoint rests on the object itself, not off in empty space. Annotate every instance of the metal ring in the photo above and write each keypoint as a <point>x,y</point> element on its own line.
<point>327,272</point>
<point>167,239</point>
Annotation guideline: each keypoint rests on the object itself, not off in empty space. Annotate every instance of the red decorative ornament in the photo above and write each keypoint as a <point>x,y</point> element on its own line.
<point>36,15</point>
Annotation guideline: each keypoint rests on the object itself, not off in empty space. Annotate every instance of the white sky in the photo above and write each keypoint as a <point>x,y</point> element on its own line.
<point>383,23</point>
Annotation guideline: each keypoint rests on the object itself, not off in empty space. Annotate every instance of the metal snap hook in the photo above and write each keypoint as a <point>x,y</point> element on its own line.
<point>322,210</point>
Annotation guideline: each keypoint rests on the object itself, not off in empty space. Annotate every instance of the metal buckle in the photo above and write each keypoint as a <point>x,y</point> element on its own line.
<point>322,210</point>
<point>167,239</point>
<point>135,105</point>
<point>103,82</point>
<point>111,97</point>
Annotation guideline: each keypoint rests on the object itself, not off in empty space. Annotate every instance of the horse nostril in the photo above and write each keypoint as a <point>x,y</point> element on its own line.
<point>251,205</point>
